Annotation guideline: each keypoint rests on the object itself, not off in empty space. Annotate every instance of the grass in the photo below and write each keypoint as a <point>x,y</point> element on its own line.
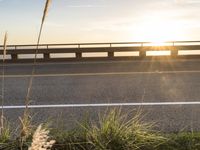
<point>6,132</point>
<point>114,131</point>
<point>182,141</point>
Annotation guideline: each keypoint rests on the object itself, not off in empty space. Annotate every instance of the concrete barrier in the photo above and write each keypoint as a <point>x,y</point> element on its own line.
<point>110,48</point>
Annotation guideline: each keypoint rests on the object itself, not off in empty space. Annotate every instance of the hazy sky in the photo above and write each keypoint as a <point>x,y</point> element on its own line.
<point>100,20</point>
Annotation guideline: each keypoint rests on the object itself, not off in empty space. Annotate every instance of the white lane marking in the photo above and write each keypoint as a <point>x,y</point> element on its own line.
<point>103,105</point>
<point>100,74</point>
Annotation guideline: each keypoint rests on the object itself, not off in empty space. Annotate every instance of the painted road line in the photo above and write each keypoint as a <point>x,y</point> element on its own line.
<point>100,62</point>
<point>103,105</point>
<point>101,74</point>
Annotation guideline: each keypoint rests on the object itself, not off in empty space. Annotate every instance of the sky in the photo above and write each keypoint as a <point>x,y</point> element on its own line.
<point>78,21</point>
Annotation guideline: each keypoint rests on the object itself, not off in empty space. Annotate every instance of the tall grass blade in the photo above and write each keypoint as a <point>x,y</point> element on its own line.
<point>2,86</point>
<point>36,52</point>
<point>43,19</point>
<point>27,99</point>
<point>5,45</point>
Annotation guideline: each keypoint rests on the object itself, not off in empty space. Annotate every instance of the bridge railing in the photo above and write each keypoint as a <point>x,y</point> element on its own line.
<point>78,49</point>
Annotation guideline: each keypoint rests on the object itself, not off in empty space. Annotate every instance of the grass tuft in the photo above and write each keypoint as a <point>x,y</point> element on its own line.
<point>5,133</point>
<point>115,131</point>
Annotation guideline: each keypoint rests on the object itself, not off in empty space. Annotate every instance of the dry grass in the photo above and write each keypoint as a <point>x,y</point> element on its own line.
<point>25,120</point>
<point>41,139</point>
<point>36,52</point>
<point>5,45</point>
<point>25,130</point>
<point>2,87</point>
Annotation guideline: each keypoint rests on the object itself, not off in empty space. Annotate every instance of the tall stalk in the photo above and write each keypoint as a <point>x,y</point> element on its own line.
<point>36,52</point>
<point>26,120</point>
<point>2,84</point>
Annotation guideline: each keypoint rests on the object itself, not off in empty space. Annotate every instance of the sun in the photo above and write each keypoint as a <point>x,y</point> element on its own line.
<point>158,30</point>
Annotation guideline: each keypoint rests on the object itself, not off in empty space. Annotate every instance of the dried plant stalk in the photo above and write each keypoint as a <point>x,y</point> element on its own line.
<point>26,123</point>
<point>5,45</point>
<point>36,52</point>
<point>3,80</point>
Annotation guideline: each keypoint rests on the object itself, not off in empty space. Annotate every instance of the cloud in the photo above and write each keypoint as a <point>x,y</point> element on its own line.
<point>119,24</point>
<point>84,6</point>
<point>53,24</point>
<point>187,1</point>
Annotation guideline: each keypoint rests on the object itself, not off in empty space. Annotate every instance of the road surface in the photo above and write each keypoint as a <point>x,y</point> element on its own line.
<point>167,92</point>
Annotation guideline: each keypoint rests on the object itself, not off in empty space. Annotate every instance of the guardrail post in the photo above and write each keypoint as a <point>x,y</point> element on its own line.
<point>78,55</point>
<point>14,57</point>
<point>142,53</point>
<point>110,54</point>
<point>46,56</point>
<point>174,52</point>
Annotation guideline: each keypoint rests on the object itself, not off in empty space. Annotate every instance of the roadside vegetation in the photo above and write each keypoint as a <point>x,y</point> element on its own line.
<point>113,131</point>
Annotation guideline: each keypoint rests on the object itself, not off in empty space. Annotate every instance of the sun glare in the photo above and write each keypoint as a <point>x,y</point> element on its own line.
<point>157,43</point>
<point>158,30</point>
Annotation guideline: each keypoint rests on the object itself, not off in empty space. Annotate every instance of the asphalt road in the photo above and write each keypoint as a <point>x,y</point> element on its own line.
<point>78,87</point>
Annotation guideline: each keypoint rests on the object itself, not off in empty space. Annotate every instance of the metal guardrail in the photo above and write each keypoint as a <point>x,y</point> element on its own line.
<point>110,48</point>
